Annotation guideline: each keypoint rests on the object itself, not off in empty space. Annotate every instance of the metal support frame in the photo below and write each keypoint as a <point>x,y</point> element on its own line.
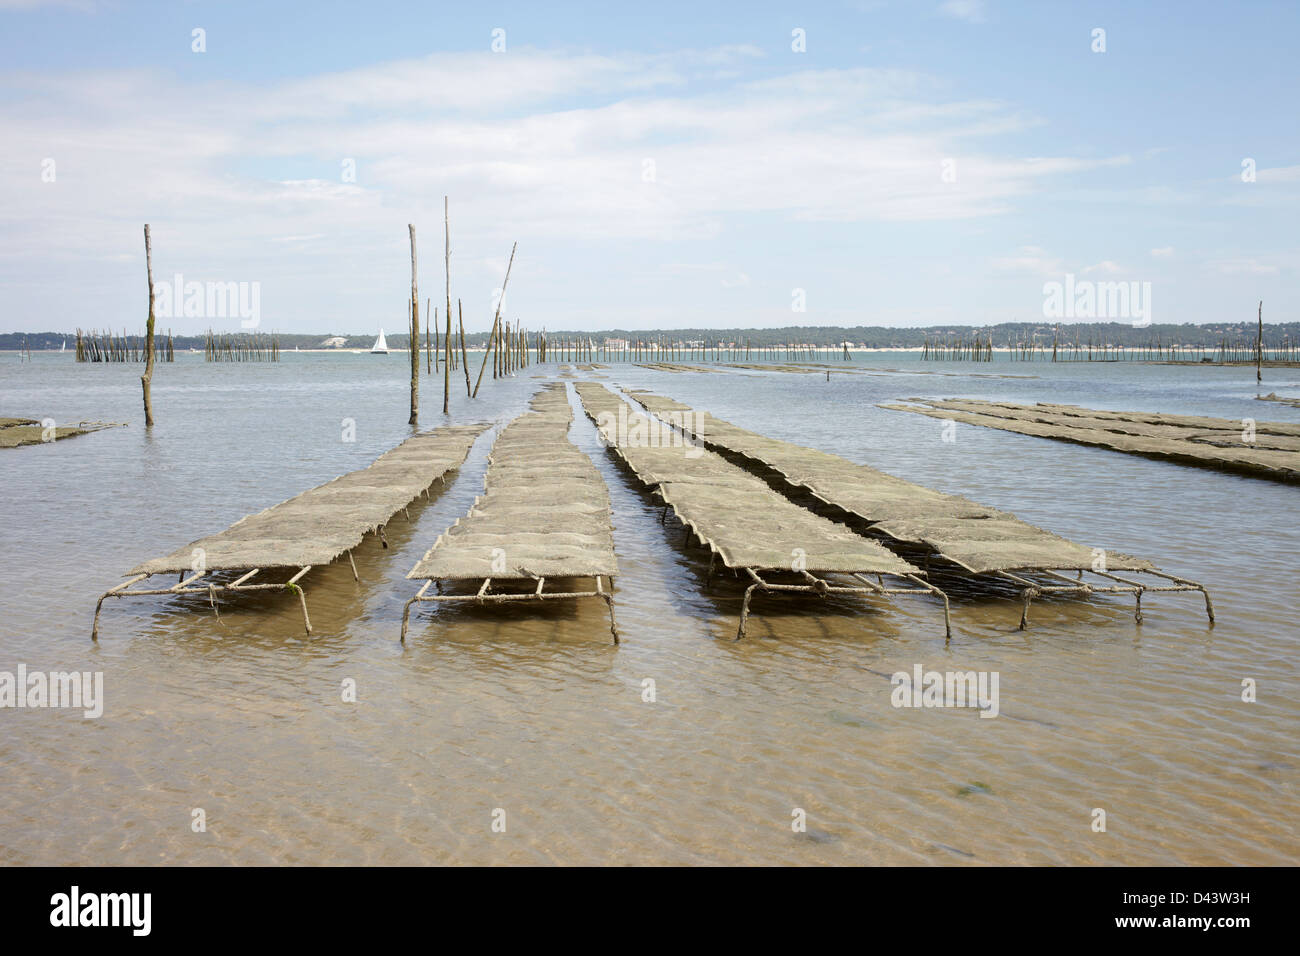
<point>819,586</point>
<point>238,584</point>
<point>483,596</point>
<point>210,589</point>
<point>822,587</point>
<point>1031,589</point>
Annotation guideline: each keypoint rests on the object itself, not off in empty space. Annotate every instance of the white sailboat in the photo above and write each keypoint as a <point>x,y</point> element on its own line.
<point>381,346</point>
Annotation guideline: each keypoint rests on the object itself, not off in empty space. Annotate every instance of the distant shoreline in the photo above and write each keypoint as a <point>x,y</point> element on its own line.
<point>1232,340</point>
<point>651,355</point>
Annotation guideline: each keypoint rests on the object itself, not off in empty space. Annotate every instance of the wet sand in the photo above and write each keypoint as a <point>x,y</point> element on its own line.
<point>16,432</point>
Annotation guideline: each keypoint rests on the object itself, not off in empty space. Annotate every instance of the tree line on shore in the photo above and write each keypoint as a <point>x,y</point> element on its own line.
<point>1210,336</point>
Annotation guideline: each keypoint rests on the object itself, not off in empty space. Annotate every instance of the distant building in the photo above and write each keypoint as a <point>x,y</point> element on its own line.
<point>334,342</point>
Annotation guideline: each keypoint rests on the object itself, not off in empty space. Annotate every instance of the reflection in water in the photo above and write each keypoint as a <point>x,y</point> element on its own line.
<point>538,714</point>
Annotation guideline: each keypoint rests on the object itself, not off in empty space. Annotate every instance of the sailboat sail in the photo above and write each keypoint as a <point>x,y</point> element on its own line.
<point>381,346</point>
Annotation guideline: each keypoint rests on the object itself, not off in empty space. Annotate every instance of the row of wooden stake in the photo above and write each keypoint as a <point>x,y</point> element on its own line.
<point>94,346</point>
<point>507,345</point>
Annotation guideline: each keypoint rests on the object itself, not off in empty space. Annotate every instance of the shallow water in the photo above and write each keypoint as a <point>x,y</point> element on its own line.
<point>535,713</point>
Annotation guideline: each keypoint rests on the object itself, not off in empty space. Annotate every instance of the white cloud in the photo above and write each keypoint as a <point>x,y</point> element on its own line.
<point>1278,174</point>
<point>1163,252</point>
<point>972,11</point>
<point>865,149</point>
<point>225,173</point>
<point>470,83</point>
<point>1279,180</point>
<point>1029,260</point>
<point>1106,266</point>
<point>83,5</point>
<point>1243,266</point>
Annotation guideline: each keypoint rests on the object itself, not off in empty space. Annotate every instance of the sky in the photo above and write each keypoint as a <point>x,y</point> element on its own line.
<point>660,165</point>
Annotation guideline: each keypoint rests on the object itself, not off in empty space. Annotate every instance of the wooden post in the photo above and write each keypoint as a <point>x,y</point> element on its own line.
<point>495,321</point>
<point>446,372</point>
<point>147,378</point>
<point>1259,347</point>
<point>428,355</point>
<point>414,344</point>
<point>489,347</point>
<point>464,358</point>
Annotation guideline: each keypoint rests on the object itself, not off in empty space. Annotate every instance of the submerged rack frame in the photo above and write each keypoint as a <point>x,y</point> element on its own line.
<point>818,585</point>
<point>821,586</point>
<point>1029,589</point>
<point>312,529</point>
<point>211,588</point>
<point>484,596</point>
<point>655,489</point>
<point>1032,589</point>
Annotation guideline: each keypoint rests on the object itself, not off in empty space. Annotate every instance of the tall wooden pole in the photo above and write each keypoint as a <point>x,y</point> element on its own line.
<point>147,378</point>
<point>1259,347</point>
<point>496,319</point>
<point>464,358</point>
<point>446,372</point>
<point>428,354</point>
<point>490,347</point>
<point>414,344</point>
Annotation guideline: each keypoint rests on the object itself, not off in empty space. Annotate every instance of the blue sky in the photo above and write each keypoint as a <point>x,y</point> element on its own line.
<point>660,164</point>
